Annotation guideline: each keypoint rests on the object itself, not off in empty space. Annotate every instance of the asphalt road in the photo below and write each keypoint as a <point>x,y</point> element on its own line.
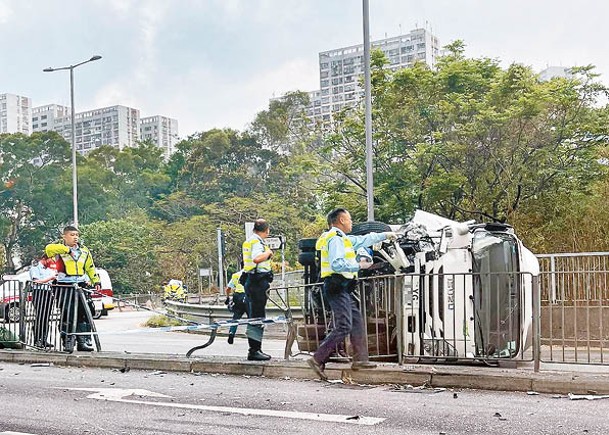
<point>115,337</point>
<point>51,400</point>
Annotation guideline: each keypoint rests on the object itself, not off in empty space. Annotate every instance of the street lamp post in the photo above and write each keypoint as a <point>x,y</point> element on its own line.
<point>368,113</point>
<point>73,133</point>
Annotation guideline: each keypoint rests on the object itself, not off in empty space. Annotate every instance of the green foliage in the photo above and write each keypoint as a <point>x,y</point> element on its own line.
<point>129,249</point>
<point>34,195</point>
<point>160,321</point>
<point>467,139</point>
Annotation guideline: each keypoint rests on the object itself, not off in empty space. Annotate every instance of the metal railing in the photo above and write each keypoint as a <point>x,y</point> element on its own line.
<point>574,312</point>
<point>560,316</point>
<point>43,316</point>
<point>10,314</point>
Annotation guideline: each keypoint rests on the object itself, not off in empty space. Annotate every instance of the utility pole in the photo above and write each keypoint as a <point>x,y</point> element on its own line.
<point>368,114</point>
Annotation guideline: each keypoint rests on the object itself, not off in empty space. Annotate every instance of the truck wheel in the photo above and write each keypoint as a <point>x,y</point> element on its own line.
<point>306,258</point>
<point>307,245</point>
<point>363,228</point>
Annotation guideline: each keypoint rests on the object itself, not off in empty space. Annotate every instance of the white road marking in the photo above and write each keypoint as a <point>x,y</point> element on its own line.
<point>16,433</point>
<point>118,395</point>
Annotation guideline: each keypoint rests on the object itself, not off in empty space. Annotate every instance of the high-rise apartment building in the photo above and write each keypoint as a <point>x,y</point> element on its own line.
<point>44,118</point>
<point>15,114</point>
<point>162,131</point>
<point>340,69</point>
<point>117,126</point>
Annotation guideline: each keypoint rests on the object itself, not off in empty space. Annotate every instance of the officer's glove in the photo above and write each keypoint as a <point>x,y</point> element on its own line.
<point>227,300</point>
<point>391,236</point>
<point>365,264</point>
<point>377,246</point>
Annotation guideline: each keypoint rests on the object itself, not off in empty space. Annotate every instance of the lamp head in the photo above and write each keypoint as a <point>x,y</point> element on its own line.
<point>96,57</point>
<point>49,69</point>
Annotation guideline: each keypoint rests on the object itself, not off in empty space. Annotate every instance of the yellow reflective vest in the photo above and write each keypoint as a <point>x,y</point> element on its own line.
<point>322,245</point>
<point>248,260</point>
<point>236,285</point>
<point>74,266</point>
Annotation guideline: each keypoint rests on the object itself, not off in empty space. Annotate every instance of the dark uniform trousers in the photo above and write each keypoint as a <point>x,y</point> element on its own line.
<point>347,321</point>
<point>256,287</point>
<point>66,294</point>
<point>240,307</point>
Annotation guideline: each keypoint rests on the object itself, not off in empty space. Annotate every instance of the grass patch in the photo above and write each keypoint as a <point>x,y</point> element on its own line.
<point>160,321</point>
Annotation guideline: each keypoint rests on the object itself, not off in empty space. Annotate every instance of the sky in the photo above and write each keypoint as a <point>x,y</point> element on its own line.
<point>216,63</point>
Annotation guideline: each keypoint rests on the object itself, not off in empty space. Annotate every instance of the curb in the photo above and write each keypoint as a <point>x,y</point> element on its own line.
<point>453,377</point>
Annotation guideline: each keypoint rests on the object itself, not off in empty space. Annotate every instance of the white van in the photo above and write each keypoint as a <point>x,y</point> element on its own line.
<point>104,302</point>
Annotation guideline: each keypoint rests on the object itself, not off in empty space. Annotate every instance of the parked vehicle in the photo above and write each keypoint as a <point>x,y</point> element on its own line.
<point>103,302</point>
<point>9,295</point>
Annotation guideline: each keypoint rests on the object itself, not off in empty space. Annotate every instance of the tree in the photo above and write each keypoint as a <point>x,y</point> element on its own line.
<point>129,249</point>
<point>35,195</point>
<point>469,140</point>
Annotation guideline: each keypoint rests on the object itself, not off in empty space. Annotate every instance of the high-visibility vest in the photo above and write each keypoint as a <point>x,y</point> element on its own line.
<point>74,267</point>
<point>248,261</point>
<point>235,281</point>
<point>322,245</point>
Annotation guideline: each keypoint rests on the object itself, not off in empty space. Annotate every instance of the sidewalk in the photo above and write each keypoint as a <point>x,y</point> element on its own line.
<point>455,377</point>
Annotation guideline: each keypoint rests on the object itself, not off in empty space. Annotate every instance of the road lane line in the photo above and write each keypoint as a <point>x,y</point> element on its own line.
<point>118,395</point>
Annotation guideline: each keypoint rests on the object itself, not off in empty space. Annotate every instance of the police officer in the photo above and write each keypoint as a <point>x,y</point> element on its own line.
<point>257,266</point>
<point>339,269</point>
<point>78,268</point>
<point>238,304</point>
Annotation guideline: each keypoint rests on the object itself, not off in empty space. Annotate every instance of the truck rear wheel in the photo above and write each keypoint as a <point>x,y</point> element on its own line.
<point>363,228</point>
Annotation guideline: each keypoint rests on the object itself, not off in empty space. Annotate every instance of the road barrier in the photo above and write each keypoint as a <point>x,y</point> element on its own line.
<point>559,316</point>
<point>44,316</point>
<point>448,317</point>
<point>10,314</point>
<point>575,308</point>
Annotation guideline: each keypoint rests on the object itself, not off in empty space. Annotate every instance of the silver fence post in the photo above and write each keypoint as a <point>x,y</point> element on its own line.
<point>553,277</point>
<point>22,311</point>
<point>535,323</point>
<point>398,285</point>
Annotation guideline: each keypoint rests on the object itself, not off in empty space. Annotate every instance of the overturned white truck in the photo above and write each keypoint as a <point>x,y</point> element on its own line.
<point>465,288</point>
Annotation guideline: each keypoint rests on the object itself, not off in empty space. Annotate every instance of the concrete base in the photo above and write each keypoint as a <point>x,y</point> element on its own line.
<point>457,377</point>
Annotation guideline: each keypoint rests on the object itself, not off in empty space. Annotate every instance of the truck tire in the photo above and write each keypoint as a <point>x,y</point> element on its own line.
<point>363,228</point>
<point>307,245</point>
<point>306,258</point>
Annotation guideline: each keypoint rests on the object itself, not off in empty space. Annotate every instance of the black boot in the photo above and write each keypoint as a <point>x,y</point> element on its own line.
<point>68,343</point>
<point>257,356</point>
<point>83,342</point>
<point>231,338</point>
<point>82,345</point>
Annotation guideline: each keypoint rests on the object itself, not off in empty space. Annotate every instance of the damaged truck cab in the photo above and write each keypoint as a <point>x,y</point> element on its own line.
<point>467,288</point>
